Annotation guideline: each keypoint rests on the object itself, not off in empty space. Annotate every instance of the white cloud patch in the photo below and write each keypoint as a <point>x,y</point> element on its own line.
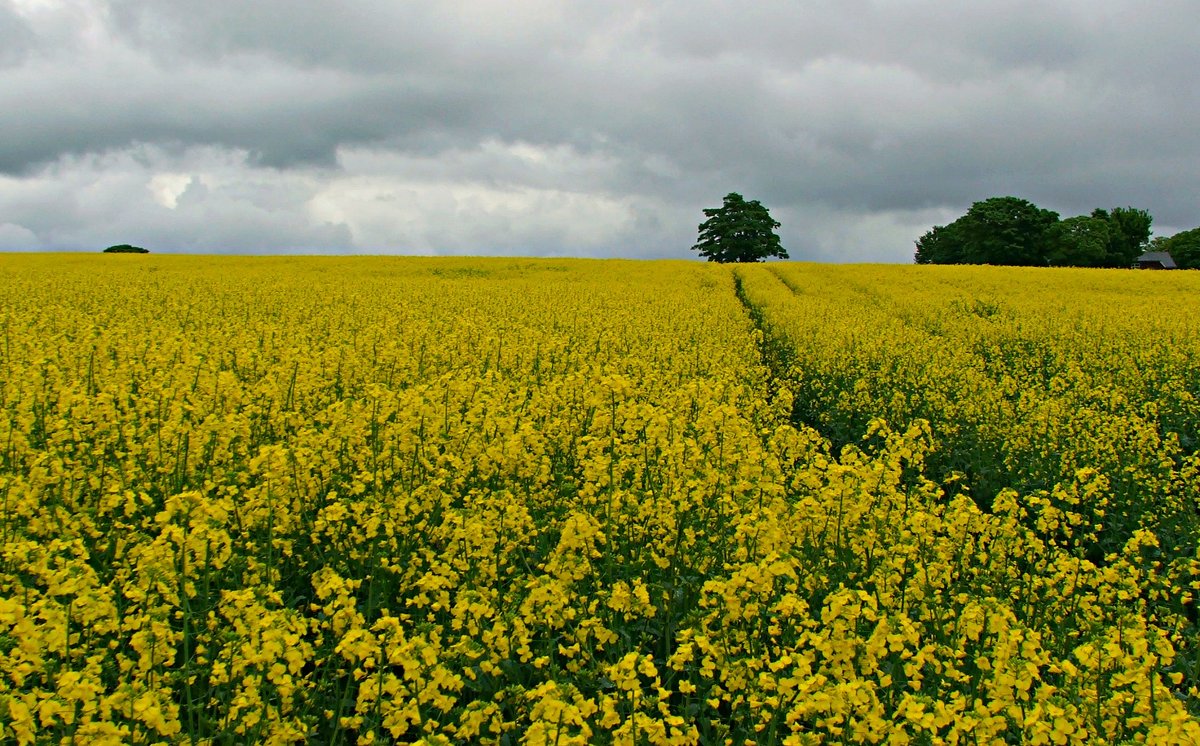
<point>508,198</point>
<point>436,217</point>
<point>167,187</point>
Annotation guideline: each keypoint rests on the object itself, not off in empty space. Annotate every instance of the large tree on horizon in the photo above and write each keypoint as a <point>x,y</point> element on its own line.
<point>1006,230</point>
<point>998,230</point>
<point>739,231</point>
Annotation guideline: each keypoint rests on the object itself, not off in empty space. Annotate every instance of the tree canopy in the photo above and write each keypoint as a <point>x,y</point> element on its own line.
<point>1006,230</point>
<point>739,231</point>
<point>1128,234</point>
<point>1184,248</point>
<point>1081,241</point>
<point>124,248</point>
<point>1014,231</point>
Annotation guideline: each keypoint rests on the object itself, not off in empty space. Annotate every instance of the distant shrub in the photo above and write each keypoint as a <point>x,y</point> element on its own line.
<point>125,248</point>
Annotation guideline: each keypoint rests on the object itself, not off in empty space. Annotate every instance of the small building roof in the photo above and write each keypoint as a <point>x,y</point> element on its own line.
<point>1161,257</point>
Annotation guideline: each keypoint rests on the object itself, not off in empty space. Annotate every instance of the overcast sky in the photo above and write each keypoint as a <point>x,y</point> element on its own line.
<point>543,127</point>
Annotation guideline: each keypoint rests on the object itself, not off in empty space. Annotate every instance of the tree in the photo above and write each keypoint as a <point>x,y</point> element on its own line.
<point>941,245</point>
<point>999,230</point>
<point>1128,234</point>
<point>1184,249</point>
<point>1006,230</point>
<point>124,248</point>
<point>740,231</point>
<point>1080,241</point>
<point>1158,243</point>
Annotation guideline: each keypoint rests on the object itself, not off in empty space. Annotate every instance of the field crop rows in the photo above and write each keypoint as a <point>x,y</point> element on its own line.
<point>374,500</point>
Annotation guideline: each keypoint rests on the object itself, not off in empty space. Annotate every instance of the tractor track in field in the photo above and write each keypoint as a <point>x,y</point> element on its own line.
<point>778,358</point>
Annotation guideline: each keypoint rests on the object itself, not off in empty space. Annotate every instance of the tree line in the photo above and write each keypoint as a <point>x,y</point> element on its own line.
<point>1014,231</point>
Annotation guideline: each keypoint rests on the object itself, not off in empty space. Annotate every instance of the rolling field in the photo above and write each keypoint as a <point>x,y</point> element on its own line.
<point>376,500</point>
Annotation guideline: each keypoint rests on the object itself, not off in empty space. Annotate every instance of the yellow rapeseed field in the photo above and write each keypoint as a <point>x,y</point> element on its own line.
<point>378,500</point>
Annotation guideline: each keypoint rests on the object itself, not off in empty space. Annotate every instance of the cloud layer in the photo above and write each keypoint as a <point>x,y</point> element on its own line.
<point>572,128</point>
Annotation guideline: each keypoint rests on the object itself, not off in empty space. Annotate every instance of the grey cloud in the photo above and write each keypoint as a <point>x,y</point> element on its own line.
<point>639,112</point>
<point>364,37</point>
<point>17,238</point>
<point>284,117</point>
<point>16,38</point>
